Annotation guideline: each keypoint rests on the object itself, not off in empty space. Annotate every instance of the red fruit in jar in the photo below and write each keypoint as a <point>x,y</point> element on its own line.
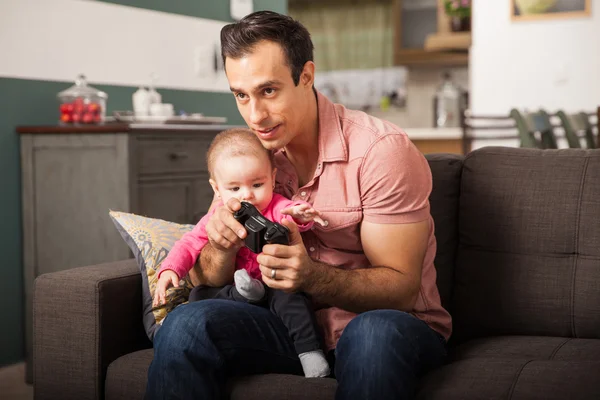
<point>87,118</point>
<point>97,118</point>
<point>93,107</point>
<point>79,108</point>
<point>78,101</point>
<point>66,108</point>
<point>65,118</point>
<point>76,118</point>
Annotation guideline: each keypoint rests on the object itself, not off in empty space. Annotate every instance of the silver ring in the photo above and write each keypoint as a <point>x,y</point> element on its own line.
<point>273,273</point>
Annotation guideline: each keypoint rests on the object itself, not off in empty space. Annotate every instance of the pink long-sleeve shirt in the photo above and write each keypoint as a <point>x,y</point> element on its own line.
<point>186,250</point>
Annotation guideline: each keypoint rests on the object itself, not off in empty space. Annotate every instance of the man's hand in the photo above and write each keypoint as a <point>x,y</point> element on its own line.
<point>304,213</point>
<point>224,232</point>
<point>216,263</point>
<point>395,252</point>
<point>167,279</point>
<point>294,270</point>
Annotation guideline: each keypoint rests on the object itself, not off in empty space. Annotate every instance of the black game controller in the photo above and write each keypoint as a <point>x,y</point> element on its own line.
<point>260,231</point>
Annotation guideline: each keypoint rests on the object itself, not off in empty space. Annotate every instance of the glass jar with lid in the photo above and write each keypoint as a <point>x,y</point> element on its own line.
<point>82,104</point>
<point>449,103</point>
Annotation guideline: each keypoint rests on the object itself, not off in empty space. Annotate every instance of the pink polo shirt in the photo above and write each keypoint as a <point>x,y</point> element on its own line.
<point>369,170</point>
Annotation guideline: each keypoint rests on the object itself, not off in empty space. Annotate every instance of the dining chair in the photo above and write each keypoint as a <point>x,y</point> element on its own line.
<point>582,122</point>
<point>526,136</point>
<point>572,124</point>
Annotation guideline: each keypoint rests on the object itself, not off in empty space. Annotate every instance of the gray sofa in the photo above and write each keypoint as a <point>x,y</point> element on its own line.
<point>518,233</point>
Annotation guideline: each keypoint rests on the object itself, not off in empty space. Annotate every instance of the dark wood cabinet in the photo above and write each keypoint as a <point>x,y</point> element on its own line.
<point>71,179</point>
<point>166,199</point>
<point>202,196</point>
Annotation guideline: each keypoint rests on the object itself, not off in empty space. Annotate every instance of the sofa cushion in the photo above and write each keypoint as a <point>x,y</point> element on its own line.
<point>529,347</point>
<point>446,170</point>
<point>127,376</point>
<point>492,368</point>
<point>516,379</point>
<point>276,387</point>
<point>528,260</point>
<point>150,240</point>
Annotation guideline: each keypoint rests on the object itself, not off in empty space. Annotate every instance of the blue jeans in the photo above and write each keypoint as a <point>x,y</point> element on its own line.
<point>380,355</point>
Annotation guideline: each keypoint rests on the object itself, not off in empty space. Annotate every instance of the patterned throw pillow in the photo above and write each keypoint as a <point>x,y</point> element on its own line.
<point>150,240</point>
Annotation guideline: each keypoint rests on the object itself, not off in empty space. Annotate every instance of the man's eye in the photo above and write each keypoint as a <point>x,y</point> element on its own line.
<point>240,96</point>
<point>269,91</point>
<point>257,185</point>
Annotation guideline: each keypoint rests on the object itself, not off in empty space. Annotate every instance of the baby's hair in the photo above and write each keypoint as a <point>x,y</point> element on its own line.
<point>235,142</point>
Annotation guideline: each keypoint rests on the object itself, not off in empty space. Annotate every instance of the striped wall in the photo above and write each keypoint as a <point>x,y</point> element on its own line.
<point>44,44</point>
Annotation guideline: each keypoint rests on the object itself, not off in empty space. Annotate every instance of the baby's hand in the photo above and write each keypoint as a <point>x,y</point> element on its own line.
<point>167,279</point>
<point>304,213</point>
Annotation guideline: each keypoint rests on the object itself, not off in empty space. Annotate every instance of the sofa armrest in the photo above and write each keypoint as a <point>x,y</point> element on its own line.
<point>83,319</point>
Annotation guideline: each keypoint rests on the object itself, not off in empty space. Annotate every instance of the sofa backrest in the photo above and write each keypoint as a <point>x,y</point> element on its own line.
<point>528,258</point>
<point>445,170</point>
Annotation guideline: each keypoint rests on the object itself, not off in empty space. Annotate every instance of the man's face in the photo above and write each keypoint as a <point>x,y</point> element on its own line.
<point>272,106</point>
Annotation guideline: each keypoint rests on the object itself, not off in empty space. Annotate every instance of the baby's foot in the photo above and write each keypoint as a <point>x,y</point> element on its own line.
<point>314,364</point>
<point>251,289</point>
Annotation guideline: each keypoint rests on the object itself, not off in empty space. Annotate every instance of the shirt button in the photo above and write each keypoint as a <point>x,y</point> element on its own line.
<point>303,194</point>
<point>312,248</point>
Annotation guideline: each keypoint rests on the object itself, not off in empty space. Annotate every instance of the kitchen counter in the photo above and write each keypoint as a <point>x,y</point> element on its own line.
<point>428,140</point>
<point>433,133</point>
<point>121,128</point>
<point>413,133</point>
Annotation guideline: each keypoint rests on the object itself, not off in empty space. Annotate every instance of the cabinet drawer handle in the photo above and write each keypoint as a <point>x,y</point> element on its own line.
<point>180,155</point>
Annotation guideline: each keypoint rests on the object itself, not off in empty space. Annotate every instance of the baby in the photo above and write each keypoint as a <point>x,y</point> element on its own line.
<point>240,167</point>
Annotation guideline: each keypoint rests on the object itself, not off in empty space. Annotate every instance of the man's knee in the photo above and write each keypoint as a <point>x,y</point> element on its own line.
<point>373,331</point>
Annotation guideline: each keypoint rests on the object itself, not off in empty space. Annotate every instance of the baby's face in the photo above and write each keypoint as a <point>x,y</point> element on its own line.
<point>246,178</point>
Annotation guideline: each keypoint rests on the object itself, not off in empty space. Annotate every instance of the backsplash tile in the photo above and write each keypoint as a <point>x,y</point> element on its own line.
<point>422,84</point>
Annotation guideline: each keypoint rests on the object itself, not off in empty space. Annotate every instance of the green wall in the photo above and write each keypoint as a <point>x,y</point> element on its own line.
<point>33,102</point>
<point>209,9</point>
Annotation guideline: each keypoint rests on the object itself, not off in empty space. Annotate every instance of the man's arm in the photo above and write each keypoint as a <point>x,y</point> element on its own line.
<point>214,267</point>
<point>216,264</point>
<point>395,183</point>
<point>396,252</point>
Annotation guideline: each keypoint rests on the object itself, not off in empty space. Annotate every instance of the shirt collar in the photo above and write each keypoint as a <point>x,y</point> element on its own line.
<point>332,143</point>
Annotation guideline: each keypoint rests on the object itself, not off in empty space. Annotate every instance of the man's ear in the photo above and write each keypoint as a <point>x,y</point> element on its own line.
<point>307,76</point>
<point>215,187</point>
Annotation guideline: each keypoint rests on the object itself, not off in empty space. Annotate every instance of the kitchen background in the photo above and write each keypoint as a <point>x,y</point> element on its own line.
<point>44,45</point>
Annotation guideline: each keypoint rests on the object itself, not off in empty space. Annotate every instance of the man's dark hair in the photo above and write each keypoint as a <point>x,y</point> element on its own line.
<point>239,38</point>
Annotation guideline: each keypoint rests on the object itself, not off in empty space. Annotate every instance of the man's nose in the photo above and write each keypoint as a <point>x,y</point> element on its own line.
<point>258,113</point>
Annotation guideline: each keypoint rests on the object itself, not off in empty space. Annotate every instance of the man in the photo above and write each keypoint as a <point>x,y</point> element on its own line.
<point>369,272</point>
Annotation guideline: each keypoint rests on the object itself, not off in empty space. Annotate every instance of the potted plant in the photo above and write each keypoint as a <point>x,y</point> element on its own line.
<point>459,12</point>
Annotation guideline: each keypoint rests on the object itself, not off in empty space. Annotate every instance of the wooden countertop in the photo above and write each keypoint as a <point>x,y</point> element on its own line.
<point>103,128</point>
<point>120,128</point>
<point>434,133</point>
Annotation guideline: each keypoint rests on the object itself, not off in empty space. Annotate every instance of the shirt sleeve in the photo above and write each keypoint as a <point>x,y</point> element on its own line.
<point>282,203</point>
<point>185,251</point>
<point>395,182</point>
